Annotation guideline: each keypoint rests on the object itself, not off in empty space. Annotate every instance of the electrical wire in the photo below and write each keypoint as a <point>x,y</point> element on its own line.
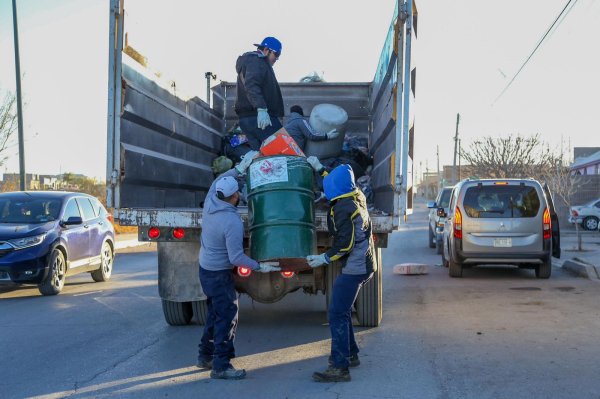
<point>537,46</point>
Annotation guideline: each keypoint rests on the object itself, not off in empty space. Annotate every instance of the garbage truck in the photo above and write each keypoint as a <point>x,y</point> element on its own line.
<point>160,148</point>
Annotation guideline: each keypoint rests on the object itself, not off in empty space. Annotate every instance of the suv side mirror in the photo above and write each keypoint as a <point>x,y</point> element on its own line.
<point>441,213</point>
<point>431,204</point>
<point>73,220</point>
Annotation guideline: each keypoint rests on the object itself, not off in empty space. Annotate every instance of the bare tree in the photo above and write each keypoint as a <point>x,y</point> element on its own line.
<point>514,156</point>
<point>8,123</point>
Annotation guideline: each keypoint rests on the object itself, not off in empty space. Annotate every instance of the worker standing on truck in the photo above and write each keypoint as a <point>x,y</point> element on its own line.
<point>221,250</point>
<point>301,130</point>
<point>349,222</point>
<point>259,103</point>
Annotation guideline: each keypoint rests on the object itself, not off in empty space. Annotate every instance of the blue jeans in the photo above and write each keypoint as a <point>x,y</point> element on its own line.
<point>256,136</point>
<point>221,322</point>
<point>345,291</point>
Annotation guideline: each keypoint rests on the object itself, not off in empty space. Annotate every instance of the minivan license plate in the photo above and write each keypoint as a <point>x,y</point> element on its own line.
<point>503,242</point>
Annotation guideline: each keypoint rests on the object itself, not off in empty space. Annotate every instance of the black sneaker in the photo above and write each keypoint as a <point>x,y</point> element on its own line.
<point>332,374</point>
<point>204,364</point>
<point>354,361</point>
<point>228,374</point>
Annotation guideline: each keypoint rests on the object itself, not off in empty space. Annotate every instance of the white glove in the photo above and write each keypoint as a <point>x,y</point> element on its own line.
<point>268,267</point>
<point>315,163</point>
<point>332,134</point>
<point>263,118</point>
<point>246,161</point>
<point>317,260</point>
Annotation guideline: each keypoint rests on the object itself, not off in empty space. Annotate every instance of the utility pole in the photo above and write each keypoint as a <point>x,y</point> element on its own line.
<point>19,102</point>
<point>459,158</point>
<point>454,180</point>
<point>437,153</point>
<point>208,76</point>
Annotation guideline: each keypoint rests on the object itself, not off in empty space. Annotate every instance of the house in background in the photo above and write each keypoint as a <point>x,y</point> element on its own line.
<point>587,161</point>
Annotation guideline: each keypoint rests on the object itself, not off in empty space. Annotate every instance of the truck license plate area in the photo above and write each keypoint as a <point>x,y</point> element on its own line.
<point>503,242</point>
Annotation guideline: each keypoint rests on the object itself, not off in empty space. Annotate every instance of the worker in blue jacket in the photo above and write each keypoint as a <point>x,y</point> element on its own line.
<point>301,130</point>
<point>259,103</point>
<point>222,249</point>
<point>349,223</point>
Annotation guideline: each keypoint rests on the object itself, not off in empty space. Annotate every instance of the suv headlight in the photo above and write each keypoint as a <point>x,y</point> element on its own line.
<point>25,242</point>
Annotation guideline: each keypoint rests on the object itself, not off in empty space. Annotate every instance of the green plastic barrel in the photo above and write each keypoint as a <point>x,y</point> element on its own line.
<point>281,213</point>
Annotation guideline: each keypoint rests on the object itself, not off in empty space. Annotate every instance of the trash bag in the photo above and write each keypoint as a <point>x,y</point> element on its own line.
<point>313,77</point>
<point>235,144</point>
<point>221,165</point>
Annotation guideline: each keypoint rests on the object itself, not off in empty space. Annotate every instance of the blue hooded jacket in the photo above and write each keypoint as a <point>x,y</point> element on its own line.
<point>338,182</point>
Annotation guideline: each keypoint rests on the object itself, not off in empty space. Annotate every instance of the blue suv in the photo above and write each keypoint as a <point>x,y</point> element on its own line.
<point>48,235</point>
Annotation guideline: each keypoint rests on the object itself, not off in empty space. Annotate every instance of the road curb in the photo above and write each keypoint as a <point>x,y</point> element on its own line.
<point>129,244</point>
<point>582,269</point>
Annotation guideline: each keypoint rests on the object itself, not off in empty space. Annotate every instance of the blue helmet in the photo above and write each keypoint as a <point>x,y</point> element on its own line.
<point>272,44</point>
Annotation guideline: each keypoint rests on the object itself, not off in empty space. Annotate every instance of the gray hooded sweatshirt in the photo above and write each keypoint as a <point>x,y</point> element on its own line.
<point>301,130</point>
<point>222,238</point>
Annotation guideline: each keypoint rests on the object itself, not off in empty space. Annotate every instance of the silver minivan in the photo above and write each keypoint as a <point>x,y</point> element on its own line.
<point>508,221</point>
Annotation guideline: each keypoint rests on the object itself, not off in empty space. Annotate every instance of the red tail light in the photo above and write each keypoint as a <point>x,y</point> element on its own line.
<point>287,274</point>
<point>153,233</point>
<point>547,224</point>
<point>244,271</point>
<point>110,217</point>
<point>178,233</point>
<point>458,224</point>
<point>574,213</point>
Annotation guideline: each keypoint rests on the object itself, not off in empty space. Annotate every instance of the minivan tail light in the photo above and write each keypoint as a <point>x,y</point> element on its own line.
<point>458,224</point>
<point>110,217</point>
<point>547,224</point>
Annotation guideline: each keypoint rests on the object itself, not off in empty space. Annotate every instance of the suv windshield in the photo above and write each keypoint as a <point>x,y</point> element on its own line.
<point>28,210</point>
<point>445,198</point>
<point>501,201</point>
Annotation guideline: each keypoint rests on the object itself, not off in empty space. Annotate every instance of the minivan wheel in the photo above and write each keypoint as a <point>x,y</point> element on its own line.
<point>590,223</point>
<point>106,264</point>
<point>57,272</point>
<point>455,269</point>
<point>431,238</point>
<point>544,270</point>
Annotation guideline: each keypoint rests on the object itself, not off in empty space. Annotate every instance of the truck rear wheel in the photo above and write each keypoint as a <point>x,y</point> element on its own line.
<point>200,311</point>
<point>369,303</point>
<point>177,313</point>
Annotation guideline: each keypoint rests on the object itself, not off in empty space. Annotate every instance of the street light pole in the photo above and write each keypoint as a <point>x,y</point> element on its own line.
<point>19,102</point>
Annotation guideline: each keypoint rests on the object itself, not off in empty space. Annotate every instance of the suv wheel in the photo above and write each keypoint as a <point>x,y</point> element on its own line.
<point>431,238</point>
<point>544,270</point>
<point>590,223</point>
<point>57,272</point>
<point>106,264</point>
<point>455,269</point>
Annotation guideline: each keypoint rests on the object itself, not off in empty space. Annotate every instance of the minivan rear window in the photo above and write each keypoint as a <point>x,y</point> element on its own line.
<point>501,201</point>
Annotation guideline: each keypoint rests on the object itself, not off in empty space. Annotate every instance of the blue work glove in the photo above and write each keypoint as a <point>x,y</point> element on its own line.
<point>246,161</point>
<point>263,118</point>
<point>332,134</point>
<point>315,163</point>
<point>317,260</point>
<point>268,267</point>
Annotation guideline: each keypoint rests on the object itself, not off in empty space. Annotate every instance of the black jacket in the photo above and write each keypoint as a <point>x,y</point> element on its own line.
<point>257,86</point>
<point>349,223</point>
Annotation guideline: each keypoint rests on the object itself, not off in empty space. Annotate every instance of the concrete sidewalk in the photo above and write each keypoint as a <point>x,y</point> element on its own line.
<point>123,241</point>
<point>585,263</point>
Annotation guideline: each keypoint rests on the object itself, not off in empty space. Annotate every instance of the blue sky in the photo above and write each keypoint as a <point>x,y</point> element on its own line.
<point>465,48</point>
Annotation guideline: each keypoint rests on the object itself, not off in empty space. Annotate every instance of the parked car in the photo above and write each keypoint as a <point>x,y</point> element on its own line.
<point>436,221</point>
<point>588,215</point>
<point>47,235</point>
<point>509,221</point>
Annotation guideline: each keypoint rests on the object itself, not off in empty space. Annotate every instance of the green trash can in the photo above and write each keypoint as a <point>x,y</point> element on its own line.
<point>281,215</point>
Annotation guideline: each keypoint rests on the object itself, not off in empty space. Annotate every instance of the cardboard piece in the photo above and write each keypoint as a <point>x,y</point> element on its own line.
<point>280,143</point>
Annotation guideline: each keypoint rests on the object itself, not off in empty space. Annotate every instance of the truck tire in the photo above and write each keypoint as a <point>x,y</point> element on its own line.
<point>369,303</point>
<point>455,269</point>
<point>431,238</point>
<point>177,313</point>
<point>200,311</point>
<point>332,272</point>
<point>544,270</point>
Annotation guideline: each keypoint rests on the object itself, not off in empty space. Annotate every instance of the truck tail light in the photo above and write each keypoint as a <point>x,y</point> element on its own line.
<point>458,224</point>
<point>244,271</point>
<point>287,274</point>
<point>547,223</point>
<point>153,233</point>
<point>178,233</point>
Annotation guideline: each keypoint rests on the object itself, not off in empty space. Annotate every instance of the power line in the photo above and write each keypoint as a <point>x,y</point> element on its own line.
<point>536,47</point>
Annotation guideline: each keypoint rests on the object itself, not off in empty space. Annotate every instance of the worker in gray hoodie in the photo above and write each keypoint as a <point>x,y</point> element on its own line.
<point>301,130</point>
<point>221,250</point>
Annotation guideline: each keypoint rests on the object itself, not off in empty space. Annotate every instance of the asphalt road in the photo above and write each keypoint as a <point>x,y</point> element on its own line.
<point>496,333</point>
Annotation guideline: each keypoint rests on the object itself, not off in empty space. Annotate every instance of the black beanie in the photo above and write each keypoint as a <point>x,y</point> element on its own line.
<point>297,109</point>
